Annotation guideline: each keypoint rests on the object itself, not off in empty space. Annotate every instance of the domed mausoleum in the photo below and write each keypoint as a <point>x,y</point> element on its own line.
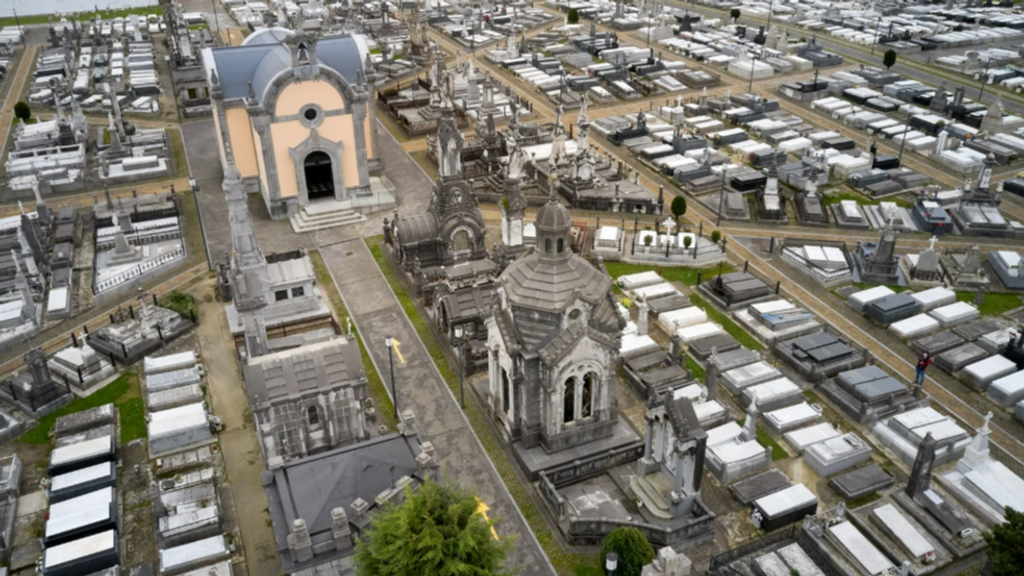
<point>553,343</point>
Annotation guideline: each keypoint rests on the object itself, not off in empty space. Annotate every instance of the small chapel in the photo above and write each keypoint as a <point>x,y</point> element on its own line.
<point>294,115</point>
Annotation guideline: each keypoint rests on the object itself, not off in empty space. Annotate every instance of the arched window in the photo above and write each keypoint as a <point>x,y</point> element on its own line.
<point>505,385</point>
<point>460,241</point>
<point>547,245</point>
<point>561,245</point>
<point>569,401</point>
<point>587,394</point>
<point>313,416</point>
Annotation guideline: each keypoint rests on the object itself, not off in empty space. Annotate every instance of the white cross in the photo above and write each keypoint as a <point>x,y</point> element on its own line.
<point>669,224</point>
<point>931,243</point>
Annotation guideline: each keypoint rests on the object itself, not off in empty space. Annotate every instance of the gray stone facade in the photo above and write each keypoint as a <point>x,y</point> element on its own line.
<point>553,343</point>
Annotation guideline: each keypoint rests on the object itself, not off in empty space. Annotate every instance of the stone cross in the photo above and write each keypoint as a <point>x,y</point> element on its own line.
<point>931,242</point>
<point>669,225</point>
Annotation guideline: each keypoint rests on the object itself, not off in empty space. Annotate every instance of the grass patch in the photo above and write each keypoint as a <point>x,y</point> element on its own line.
<point>200,26</point>
<point>83,16</point>
<point>895,288</point>
<point>565,563</point>
<point>133,419</point>
<point>764,439</point>
<point>385,409</point>
<point>178,148</point>
<point>727,324</point>
<point>421,158</point>
<point>182,303</point>
<point>123,392</point>
<point>193,228</point>
<point>836,198</point>
<point>106,137</point>
<point>696,371</point>
<point>994,304</point>
<point>866,499</point>
<point>778,452</point>
<point>687,276</point>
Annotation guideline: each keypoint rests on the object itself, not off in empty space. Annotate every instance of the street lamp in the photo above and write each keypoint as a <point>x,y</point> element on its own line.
<point>611,562</point>
<point>389,342</point>
<point>457,341</point>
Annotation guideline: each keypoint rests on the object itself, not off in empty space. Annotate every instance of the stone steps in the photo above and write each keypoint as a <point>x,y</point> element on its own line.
<point>652,499</point>
<point>309,221</point>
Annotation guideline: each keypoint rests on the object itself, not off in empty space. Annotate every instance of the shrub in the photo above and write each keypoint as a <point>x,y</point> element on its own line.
<point>180,302</point>
<point>687,241</point>
<point>735,14</point>
<point>678,207</point>
<point>22,111</point>
<point>716,236</point>
<point>574,16</point>
<point>632,548</point>
<point>889,59</point>
<point>648,240</point>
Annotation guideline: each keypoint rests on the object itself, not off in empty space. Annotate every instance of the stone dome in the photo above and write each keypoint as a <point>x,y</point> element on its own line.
<point>553,217</point>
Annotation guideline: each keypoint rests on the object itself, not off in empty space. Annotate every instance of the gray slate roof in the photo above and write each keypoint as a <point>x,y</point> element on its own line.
<point>289,373</point>
<point>262,60</point>
<point>550,285</point>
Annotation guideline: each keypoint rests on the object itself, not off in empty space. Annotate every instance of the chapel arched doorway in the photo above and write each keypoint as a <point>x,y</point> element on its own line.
<point>319,176</point>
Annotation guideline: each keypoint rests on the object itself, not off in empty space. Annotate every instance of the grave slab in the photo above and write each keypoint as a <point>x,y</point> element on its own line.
<point>862,481</point>
<point>958,358</point>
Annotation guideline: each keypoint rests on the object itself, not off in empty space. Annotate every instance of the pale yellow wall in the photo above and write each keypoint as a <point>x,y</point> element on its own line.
<point>369,134</point>
<point>297,95</point>
<point>220,140</point>
<point>240,131</point>
<point>290,134</point>
<point>264,189</point>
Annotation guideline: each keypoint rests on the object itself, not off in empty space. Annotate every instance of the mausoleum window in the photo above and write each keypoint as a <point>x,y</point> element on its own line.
<point>313,415</point>
<point>298,291</point>
<point>569,401</point>
<point>280,295</point>
<point>460,241</point>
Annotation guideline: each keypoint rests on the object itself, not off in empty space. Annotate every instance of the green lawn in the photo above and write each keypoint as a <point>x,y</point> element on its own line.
<point>778,452</point>
<point>836,198</point>
<point>764,439</point>
<point>123,392</point>
<point>994,305</point>
<point>193,230</point>
<point>565,563</point>
<point>697,371</point>
<point>182,303</point>
<point>178,149</point>
<point>385,408</point>
<point>687,276</point>
<point>727,324</point>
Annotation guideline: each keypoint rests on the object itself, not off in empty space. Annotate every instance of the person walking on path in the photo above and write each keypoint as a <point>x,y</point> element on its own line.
<point>922,364</point>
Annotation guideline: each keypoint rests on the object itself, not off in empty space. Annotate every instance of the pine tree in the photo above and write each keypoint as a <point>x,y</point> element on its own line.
<point>438,531</point>
<point>1006,545</point>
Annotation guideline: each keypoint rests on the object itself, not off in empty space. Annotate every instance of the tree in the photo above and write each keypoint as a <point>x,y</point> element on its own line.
<point>632,548</point>
<point>716,236</point>
<point>437,530</point>
<point>678,207</point>
<point>889,59</point>
<point>22,111</point>
<point>574,16</point>
<point>1006,545</point>
<point>735,14</point>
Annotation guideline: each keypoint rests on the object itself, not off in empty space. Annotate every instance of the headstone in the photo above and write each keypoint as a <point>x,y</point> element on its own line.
<point>921,474</point>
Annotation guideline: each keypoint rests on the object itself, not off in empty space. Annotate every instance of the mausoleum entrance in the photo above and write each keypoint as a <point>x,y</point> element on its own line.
<point>319,176</point>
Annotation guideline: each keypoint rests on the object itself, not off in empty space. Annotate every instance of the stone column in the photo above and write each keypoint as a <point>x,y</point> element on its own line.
<point>359,131</point>
<point>649,439</point>
<point>641,319</point>
<point>299,543</point>
<point>648,463</point>
<point>340,529</point>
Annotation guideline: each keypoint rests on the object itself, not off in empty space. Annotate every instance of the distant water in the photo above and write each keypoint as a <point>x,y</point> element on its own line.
<point>33,7</point>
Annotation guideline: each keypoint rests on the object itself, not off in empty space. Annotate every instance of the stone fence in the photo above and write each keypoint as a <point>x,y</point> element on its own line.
<point>587,468</point>
<point>591,531</point>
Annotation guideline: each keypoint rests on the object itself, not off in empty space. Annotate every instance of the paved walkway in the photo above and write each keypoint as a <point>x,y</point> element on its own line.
<point>421,389</point>
<point>28,58</point>
<point>242,457</point>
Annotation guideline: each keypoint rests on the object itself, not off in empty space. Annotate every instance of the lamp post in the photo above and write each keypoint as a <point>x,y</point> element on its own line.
<point>984,77</point>
<point>721,198</point>
<point>457,342</point>
<point>611,562</point>
<point>389,342</point>
<point>20,31</point>
<point>202,227</point>
<point>874,40</point>
<point>903,143</point>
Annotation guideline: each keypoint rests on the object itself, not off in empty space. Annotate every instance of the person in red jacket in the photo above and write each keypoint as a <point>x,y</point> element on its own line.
<point>922,364</point>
